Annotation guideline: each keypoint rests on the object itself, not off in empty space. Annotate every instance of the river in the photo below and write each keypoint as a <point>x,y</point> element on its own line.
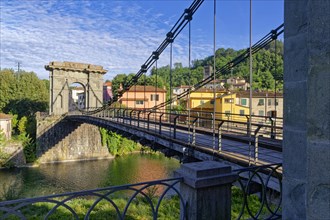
<point>57,178</point>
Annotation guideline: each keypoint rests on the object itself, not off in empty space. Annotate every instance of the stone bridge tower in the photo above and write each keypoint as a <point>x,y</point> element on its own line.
<point>63,74</point>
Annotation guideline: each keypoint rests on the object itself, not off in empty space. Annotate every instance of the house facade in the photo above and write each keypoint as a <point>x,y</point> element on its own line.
<point>263,103</point>
<point>177,91</point>
<point>81,100</point>
<point>218,84</point>
<point>141,97</point>
<point>74,94</point>
<point>237,83</point>
<point>225,103</point>
<point>107,92</point>
<point>5,125</point>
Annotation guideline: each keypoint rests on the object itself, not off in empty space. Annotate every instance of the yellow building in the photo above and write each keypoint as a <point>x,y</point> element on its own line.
<point>225,106</point>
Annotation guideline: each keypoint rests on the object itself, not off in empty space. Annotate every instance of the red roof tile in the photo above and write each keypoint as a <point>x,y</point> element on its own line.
<point>146,88</point>
<point>5,116</point>
<point>107,83</point>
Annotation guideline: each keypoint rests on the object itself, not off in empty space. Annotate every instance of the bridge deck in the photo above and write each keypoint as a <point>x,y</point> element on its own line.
<point>232,146</point>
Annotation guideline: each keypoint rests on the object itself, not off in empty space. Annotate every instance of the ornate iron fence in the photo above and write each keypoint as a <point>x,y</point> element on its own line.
<point>257,194</point>
<point>104,203</point>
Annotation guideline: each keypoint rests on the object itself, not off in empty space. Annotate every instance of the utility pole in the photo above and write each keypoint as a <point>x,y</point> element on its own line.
<point>18,69</point>
<point>18,66</point>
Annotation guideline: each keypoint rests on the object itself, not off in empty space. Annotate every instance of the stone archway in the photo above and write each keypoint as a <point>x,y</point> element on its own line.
<point>63,74</point>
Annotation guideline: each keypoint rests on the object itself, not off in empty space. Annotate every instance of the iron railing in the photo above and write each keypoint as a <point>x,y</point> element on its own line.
<point>259,191</point>
<point>265,126</point>
<point>197,130</point>
<point>99,203</point>
<point>255,195</point>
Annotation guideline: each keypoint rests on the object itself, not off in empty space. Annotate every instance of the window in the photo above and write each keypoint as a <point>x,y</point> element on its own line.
<point>273,114</point>
<point>212,102</point>
<point>243,101</point>
<point>242,112</point>
<point>154,97</point>
<point>139,102</point>
<point>229,100</point>
<point>276,101</point>
<point>227,113</point>
<point>261,102</point>
<point>269,102</point>
<point>261,113</point>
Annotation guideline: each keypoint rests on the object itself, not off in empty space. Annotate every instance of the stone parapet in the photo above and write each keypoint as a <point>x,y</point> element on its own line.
<point>206,188</point>
<point>72,66</point>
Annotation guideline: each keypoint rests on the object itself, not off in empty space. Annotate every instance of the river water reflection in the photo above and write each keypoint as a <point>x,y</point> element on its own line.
<point>74,176</point>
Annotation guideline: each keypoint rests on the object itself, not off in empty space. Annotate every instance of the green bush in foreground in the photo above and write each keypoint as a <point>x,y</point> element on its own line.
<point>117,144</point>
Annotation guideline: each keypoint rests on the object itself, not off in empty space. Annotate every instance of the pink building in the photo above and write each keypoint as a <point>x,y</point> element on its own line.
<point>140,97</point>
<point>107,91</point>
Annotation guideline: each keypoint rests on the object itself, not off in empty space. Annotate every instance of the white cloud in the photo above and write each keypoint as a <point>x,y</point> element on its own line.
<point>111,34</point>
<point>119,35</point>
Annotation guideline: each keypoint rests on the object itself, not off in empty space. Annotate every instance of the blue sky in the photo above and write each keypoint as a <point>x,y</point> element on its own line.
<point>120,35</point>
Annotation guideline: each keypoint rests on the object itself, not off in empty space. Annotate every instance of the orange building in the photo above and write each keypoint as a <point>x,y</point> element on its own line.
<point>140,97</point>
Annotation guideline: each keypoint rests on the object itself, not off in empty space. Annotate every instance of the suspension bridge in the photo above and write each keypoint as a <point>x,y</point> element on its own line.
<point>208,136</point>
<point>202,135</point>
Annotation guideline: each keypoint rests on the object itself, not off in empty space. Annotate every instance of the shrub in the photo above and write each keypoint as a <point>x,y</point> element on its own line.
<point>116,143</point>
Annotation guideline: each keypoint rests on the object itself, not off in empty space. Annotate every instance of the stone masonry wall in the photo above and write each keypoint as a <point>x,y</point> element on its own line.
<point>61,140</point>
<point>306,145</point>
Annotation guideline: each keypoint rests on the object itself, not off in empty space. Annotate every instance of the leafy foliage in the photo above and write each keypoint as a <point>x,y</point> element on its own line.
<point>116,143</point>
<point>29,147</point>
<point>11,190</point>
<point>25,107</point>
<point>2,138</point>
<point>14,122</point>
<point>3,158</point>
<point>22,95</point>
<point>138,209</point>
<point>22,125</point>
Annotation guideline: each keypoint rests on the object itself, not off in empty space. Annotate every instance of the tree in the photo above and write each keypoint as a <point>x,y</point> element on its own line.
<point>8,87</point>
<point>31,87</point>
<point>22,125</point>
<point>118,80</point>
<point>21,91</point>
<point>14,123</point>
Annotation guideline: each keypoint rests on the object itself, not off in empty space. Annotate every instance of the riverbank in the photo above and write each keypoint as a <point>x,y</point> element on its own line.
<point>54,178</point>
<point>9,152</point>
<point>12,155</point>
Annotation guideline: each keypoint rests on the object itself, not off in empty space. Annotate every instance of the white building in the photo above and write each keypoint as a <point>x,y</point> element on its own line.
<point>237,83</point>
<point>263,103</point>
<point>5,125</point>
<point>73,100</point>
<point>81,100</point>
